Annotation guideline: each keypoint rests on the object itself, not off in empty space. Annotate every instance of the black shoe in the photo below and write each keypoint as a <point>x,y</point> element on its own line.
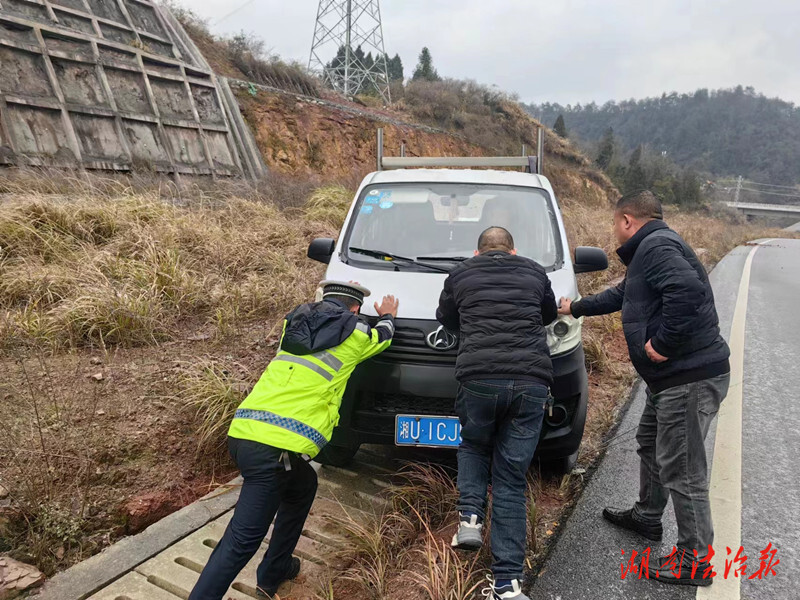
<point>667,572</point>
<point>622,517</point>
<point>268,591</point>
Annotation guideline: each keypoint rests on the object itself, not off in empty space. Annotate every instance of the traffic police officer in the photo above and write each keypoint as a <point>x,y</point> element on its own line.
<point>291,412</point>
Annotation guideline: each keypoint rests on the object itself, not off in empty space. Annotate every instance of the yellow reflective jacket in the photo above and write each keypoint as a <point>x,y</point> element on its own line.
<point>295,404</point>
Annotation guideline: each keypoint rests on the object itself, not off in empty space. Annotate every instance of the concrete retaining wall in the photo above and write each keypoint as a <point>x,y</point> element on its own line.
<point>113,85</point>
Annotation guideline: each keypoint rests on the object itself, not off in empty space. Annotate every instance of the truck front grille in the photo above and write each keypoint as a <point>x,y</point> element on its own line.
<point>405,404</point>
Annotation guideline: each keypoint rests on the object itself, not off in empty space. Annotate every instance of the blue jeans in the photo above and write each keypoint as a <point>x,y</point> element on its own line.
<point>501,421</point>
<point>268,490</point>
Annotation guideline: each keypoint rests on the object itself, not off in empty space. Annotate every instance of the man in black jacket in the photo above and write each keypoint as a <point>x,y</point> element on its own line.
<point>500,304</point>
<point>672,330</point>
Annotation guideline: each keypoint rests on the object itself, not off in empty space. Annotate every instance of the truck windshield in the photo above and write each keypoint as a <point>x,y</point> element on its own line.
<point>442,221</point>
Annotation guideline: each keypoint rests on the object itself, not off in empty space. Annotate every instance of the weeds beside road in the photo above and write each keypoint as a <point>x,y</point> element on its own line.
<point>135,315</point>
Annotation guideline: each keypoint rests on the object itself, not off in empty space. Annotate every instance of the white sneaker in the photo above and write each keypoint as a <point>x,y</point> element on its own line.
<point>468,536</point>
<point>507,592</point>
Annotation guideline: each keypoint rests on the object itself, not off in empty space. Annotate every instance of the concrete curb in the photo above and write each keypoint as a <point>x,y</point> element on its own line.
<point>86,578</point>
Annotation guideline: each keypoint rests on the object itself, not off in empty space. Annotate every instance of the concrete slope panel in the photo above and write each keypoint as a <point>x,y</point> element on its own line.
<point>113,85</point>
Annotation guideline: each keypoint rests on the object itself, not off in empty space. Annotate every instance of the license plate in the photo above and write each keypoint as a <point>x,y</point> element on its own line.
<point>431,432</point>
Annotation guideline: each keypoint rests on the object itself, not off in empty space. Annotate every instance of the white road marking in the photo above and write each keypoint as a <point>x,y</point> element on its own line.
<point>726,472</point>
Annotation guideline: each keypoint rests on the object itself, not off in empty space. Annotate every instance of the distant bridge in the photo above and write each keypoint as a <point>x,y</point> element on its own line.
<point>756,209</point>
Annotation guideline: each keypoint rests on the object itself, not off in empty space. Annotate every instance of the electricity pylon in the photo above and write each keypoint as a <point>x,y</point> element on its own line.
<point>344,26</point>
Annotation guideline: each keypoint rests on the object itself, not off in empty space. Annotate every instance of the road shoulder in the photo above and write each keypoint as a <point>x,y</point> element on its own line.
<point>585,563</point>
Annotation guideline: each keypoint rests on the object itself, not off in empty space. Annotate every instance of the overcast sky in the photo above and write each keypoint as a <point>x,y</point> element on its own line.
<point>564,51</point>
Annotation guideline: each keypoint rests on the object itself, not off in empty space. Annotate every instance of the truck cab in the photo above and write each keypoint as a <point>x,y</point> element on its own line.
<point>405,230</point>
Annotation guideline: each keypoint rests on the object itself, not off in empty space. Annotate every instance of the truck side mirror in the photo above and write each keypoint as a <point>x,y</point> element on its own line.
<point>321,250</point>
<point>589,259</point>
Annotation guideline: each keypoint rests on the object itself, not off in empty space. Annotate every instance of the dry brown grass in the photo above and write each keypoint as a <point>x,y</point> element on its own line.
<point>110,289</point>
<point>45,465</point>
<point>488,117</point>
<point>107,267</point>
<point>375,547</point>
<point>214,391</point>
<point>245,56</point>
<point>329,204</point>
<point>447,574</point>
<point>406,550</point>
<point>427,492</point>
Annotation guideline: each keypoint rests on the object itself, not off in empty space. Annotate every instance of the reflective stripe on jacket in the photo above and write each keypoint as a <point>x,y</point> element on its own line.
<point>295,404</point>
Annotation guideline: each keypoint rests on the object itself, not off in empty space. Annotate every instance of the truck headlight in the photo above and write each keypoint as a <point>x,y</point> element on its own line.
<point>564,334</point>
<point>560,328</point>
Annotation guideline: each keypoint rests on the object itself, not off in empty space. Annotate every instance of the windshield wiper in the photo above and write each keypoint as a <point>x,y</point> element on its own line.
<point>444,258</point>
<point>380,255</point>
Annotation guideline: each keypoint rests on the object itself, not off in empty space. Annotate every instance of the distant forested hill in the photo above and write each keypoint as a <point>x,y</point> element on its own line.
<point>724,132</point>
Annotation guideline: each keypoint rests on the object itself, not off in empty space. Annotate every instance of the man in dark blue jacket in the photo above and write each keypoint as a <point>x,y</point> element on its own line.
<point>672,330</point>
<point>500,303</point>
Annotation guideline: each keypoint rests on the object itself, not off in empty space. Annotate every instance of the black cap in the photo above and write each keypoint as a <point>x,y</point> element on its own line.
<point>344,288</point>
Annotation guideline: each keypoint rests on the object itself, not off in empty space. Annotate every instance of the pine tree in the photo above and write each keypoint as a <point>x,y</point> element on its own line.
<point>560,127</point>
<point>337,63</point>
<point>636,176</point>
<point>687,188</point>
<point>605,152</point>
<point>425,69</point>
<point>384,64</point>
<point>395,68</point>
<point>663,190</point>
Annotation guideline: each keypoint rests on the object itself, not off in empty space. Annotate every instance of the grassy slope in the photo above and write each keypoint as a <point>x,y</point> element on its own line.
<point>116,305</point>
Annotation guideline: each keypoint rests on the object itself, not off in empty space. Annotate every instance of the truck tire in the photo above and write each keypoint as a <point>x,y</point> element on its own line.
<point>563,465</point>
<point>336,456</point>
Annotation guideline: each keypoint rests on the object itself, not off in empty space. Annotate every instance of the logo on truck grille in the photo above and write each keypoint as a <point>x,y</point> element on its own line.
<point>441,339</point>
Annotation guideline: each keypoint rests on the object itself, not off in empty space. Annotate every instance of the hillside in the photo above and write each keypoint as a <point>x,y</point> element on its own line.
<point>303,128</point>
<point>727,132</point>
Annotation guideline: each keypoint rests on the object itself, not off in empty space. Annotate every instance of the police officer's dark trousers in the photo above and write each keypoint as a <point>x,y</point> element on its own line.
<point>270,491</point>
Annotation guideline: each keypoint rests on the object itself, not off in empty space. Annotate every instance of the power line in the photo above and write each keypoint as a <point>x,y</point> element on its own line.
<point>785,187</point>
<point>234,11</point>
<point>756,183</point>
<point>744,189</point>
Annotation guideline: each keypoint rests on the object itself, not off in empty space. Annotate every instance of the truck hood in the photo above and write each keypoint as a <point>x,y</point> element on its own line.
<point>419,292</point>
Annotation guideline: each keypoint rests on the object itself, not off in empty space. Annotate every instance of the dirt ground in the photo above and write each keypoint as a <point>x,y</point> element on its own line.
<point>108,441</point>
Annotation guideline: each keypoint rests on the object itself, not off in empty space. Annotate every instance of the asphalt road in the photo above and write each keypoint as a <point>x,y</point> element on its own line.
<point>754,504</point>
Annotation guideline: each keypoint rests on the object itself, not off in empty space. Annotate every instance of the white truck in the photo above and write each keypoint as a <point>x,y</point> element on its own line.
<point>406,228</point>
